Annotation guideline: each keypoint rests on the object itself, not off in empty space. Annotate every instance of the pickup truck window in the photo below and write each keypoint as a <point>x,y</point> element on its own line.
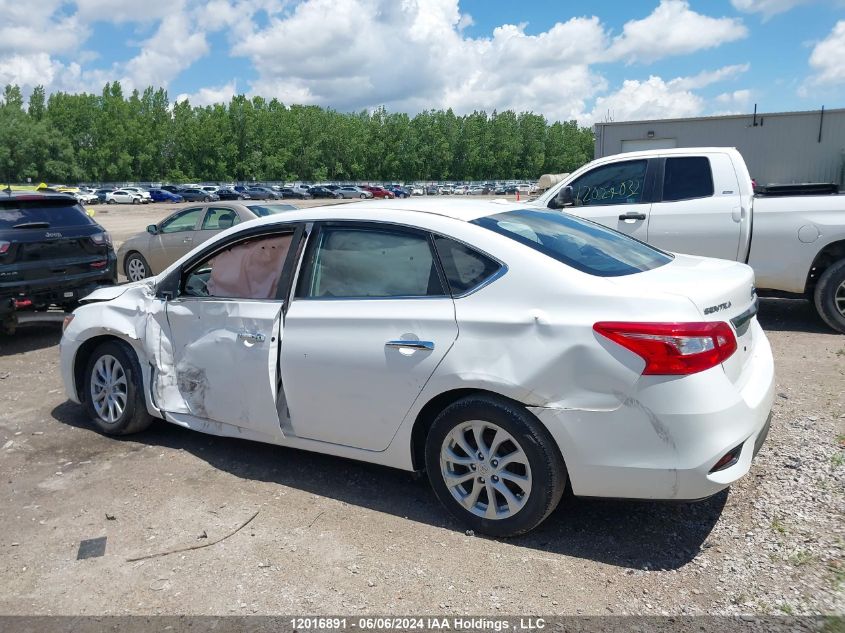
<point>585,246</point>
<point>617,183</point>
<point>687,177</point>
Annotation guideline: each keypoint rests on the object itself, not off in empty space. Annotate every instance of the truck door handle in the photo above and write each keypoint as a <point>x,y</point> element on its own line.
<point>424,345</point>
<point>632,216</point>
<point>255,337</point>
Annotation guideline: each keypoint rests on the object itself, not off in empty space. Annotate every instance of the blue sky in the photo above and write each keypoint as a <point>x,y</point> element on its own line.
<point>589,61</point>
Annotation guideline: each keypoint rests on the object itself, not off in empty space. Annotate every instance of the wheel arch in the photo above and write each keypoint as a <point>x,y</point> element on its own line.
<point>829,255</point>
<point>83,355</point>
<point>429,412</point>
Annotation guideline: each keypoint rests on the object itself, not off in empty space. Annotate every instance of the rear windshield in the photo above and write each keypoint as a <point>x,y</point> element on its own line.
<point>263,210</point>
<point>41,214</point>
<point>585,246</point>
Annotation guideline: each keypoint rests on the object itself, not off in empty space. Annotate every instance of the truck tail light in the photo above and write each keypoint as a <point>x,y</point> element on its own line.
<point>673,349</point>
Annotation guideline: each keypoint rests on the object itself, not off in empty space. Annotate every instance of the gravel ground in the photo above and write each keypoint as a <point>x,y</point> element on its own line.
<point>335,536</point>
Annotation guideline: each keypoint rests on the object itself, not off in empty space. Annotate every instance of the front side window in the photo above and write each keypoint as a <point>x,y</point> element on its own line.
<point>687,177</point>
<point>370,263</point>
<point>617,183</point>
<point>249,269</point>
<point>183,221</point>
<point>583,245</point>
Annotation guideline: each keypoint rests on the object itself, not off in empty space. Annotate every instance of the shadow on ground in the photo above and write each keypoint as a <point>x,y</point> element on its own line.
<point>623,533</point>
<point>30,339</point>
<point>791,315</point>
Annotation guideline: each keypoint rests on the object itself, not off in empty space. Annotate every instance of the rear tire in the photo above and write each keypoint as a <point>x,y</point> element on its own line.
<point>829,296</point>
<point>466,444</point>
<point>114,390</point>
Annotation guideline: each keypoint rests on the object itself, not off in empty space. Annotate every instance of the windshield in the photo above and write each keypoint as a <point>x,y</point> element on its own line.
<point>585,246</point>
<point>263,210</point>
<point>41,214</point>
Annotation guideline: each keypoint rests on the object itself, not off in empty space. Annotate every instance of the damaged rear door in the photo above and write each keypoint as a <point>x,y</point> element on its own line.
<point>225,327</point>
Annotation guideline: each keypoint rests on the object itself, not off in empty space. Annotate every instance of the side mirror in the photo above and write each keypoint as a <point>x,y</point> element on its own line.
<point>152,229</point>
<point>565,197</point>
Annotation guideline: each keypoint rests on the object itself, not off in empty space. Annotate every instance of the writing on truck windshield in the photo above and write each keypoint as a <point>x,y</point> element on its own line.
<point>585,246</point>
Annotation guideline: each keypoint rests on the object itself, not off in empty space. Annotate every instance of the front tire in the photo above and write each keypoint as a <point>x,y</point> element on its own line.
<point>136,267</point>
<point>494,465</point>
<point>829,296</point>
<point>114,390</point>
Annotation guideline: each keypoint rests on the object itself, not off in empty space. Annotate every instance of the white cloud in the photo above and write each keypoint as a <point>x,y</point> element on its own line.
<point>709,77</point>
<point>673,29</point>
<point>125,10</point>
<point>212,95</point>
<point>734,102</point>
<point>34,27</point>
<point>408,55</point>
<point>175,46</point>
<point>827,58</point>
<point>767,7</point>
<point>653,98</point>
<point>413,55</point>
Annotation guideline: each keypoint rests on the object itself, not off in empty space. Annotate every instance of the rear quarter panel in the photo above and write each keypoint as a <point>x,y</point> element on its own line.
<point>788,233</point>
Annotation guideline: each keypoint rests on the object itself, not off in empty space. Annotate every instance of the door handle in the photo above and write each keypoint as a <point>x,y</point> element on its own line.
<point>632,216</point>
<point>187,240</point>
<point>424,345</point>
<point>255,337</point>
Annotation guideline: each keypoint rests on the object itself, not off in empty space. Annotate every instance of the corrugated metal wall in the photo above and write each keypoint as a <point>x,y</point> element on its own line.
<point>782,147</point>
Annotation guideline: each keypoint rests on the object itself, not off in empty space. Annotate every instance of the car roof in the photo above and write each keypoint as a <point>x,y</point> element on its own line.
<point>393,210</point>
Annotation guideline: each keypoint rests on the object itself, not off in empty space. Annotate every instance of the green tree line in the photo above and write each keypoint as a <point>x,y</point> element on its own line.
<point>110,137</point>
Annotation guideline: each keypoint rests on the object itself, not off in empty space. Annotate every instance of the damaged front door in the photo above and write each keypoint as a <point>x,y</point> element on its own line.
<point>225,328</point>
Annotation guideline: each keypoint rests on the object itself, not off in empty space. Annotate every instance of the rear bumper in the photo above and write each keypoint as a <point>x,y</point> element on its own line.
<point>56,291</point>
<point>663,441</point>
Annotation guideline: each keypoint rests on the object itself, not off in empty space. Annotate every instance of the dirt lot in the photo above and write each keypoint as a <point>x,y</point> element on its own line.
<point>334,536</point>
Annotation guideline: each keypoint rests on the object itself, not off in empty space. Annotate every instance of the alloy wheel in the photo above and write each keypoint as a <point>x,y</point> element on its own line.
<point>485,469</point>
<point>109,389</point>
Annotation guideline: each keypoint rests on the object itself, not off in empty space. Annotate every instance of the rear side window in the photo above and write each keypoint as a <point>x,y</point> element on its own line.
<point>686,178</point>
<point>362,263</point>
<point>41,214</point>
<point>218,218</point>
<point>465,267</point>
<point>585,246</point>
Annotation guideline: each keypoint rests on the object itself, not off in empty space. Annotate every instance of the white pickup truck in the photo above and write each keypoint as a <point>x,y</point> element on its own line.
<point>701,201</point>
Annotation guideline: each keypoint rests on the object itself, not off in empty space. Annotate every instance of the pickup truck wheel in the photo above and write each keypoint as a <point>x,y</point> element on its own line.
<point>114,390</point>
<point>136,267</point>
<point>494,465</point>
<point>830,296</point>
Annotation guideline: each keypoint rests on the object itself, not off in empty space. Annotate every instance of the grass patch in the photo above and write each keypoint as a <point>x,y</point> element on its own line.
<point>800,557</point>
<point>778,526</point>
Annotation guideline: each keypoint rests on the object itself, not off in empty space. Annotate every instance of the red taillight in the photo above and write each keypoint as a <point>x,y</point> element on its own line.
<point>4,247</point>
<point>100,264</point>
<point>673,349</point>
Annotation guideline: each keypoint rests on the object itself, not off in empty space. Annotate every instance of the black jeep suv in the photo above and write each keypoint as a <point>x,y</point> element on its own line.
<point>51,254</point>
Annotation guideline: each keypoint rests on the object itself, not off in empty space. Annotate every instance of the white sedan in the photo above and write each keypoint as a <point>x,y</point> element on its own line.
<point>505,351</point>
<point>123,196</point>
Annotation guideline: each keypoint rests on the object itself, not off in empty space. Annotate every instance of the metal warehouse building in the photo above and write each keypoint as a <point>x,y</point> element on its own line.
<point>781,147</point>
